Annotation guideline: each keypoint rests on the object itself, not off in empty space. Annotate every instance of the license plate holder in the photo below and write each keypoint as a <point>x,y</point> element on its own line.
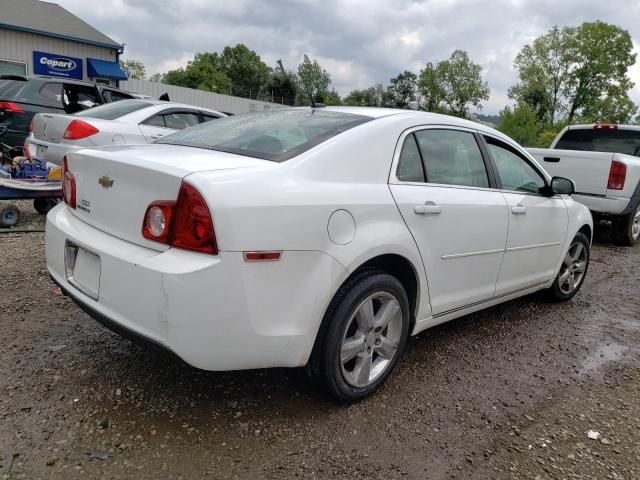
<point>82,269</point>
<point>41,150</point>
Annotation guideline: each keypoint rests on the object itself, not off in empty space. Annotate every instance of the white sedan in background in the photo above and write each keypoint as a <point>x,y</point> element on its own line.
<point>318,237</point>
<point>52,136</point>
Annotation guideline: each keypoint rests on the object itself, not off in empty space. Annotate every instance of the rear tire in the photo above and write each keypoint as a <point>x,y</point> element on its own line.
<point>626,228</point>
<point>363,334</point>
<point>572,271</point>
<point>43,205</point>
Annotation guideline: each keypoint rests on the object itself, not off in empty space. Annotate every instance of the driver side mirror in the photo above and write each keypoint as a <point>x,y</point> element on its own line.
<point>562,186</point>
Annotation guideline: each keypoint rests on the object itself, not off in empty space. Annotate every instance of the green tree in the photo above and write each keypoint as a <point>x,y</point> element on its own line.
<point>314,80</point>
<point>132,68</point>
<point>157,77</point>
<point>368,97</point>
<point>282,87</point>
<point>577,72</point>
<point>520,123</point>
<point>244,68</point>
<point>453,85</point>
<point>236,71</point>
<point>332,98</point>
<point>401,90</point>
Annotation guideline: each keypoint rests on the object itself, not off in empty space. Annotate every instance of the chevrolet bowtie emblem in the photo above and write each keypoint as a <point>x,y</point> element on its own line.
<point>105,181</point>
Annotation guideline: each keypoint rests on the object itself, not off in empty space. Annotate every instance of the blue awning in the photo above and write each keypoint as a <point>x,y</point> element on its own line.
<point>104,69</point>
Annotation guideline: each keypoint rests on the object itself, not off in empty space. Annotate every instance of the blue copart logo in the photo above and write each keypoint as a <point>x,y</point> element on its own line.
<point>59,63</point>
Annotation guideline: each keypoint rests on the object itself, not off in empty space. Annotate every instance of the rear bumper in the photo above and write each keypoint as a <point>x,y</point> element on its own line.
<point>214,312</point>
<point>609,205</point>
<point>55,151</point>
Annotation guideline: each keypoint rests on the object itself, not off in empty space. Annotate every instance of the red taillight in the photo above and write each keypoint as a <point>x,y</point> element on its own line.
<point>68,185</point>
<point>185,224</point>
<point>157,221</point>
<point>192,225</point>
<point>78,129</point>
<point>617,175</point>
<point>605,126</point>
<point>11,107</point>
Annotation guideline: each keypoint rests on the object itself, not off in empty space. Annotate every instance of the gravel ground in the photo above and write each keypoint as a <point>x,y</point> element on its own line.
<point>511,392</point>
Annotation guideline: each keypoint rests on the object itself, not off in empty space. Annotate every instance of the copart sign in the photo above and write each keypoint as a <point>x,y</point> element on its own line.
<point>57,65</point>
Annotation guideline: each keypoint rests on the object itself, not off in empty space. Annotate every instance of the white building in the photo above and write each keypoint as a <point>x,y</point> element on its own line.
<point>42,38</point>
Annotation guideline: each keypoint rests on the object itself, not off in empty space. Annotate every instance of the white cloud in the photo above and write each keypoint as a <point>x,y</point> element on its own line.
<point>360,42</point>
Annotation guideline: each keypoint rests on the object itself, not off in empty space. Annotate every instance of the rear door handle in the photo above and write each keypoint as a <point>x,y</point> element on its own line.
<point>427,208</point>
<point>551,159</point>
<point>155,137</point>
<point>518,210</point>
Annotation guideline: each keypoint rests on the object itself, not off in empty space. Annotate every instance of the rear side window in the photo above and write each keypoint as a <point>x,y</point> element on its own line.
<point>410,164</point>
<point>207,117</point>
<point>276,135</point>
<point>601,140</point>
<point>114,95</point>
<point>111,111</point>
<point>33,91</point>
<point>181,120</point>
<point>452,157</point>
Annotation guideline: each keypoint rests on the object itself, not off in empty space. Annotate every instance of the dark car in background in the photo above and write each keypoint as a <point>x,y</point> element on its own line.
<point>21,98</point>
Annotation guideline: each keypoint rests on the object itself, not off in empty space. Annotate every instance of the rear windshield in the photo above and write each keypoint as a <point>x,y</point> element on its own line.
<point>111,111</point>
<point>601,140</point>
<point>277,135</point>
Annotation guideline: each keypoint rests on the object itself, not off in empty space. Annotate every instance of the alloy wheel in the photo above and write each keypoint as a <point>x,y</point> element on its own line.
<point>573,268</point>
<point>371,339</point>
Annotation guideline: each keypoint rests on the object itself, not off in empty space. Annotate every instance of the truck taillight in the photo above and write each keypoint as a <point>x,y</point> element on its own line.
<point>617,175</point>
<point>68,185</point>
<point>185,223</point>
<point>78,129</point>
<point>11,107</point>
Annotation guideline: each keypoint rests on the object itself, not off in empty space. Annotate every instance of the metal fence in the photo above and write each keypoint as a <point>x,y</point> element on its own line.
<point>199,98</point>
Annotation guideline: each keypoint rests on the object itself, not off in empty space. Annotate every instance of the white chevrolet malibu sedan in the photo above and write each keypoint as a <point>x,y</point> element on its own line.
<point>317,237</point>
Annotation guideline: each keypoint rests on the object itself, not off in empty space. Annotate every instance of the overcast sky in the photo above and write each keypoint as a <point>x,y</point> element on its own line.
<point>360,42</point>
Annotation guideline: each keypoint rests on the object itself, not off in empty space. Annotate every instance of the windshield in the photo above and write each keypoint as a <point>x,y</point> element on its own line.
<point>601,140</point>
<point>111,111</point>
<point>276,135</point>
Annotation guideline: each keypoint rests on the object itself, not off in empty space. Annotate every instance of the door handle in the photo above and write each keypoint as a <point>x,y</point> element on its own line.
<point>551,159</point>
<point>428,207</point>
<point>518,210</point>
<point>156,136</point>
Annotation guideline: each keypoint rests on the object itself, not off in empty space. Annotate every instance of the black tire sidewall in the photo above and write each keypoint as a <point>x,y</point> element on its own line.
<point>345,302</point>
<point>623,228</point>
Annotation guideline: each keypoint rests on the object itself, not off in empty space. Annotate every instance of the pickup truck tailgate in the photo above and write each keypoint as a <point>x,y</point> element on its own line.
<point>588,170</point>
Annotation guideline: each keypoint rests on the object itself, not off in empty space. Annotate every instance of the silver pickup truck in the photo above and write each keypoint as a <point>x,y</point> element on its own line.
<point>603,162</point>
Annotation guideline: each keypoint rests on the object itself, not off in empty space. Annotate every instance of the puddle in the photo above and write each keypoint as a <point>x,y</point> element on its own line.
<point>604,354</point>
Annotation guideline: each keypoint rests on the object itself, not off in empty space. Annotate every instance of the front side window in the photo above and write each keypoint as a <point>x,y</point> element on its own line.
<point>452,157</point>
<point>514,172</point>
<point>276,135</point>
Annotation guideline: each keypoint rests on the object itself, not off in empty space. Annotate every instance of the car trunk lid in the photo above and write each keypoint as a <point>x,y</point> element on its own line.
<point>115,185</point>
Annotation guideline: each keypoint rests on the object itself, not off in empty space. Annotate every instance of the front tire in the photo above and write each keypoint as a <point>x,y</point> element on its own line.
<point>573,270</point>
<point>362,336</point>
